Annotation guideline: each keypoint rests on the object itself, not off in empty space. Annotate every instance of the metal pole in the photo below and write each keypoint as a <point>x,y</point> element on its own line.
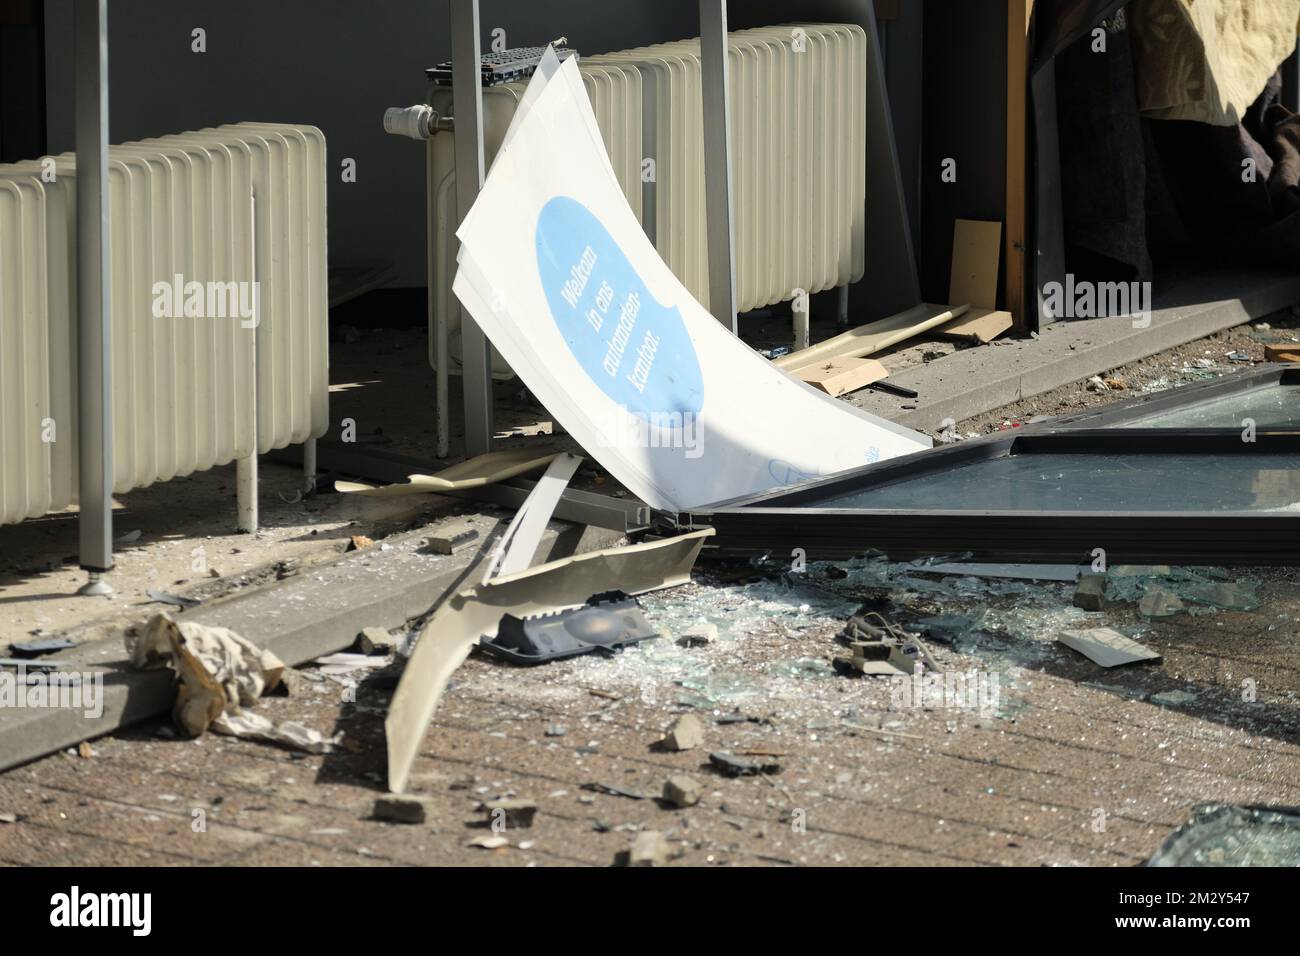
<point>717,161</point>
<point>94,376</point>
<point>467,101</point>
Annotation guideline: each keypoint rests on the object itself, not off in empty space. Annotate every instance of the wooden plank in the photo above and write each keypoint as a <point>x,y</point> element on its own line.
<point>976,252</point>
<point>978,325</point>
<point>874,336</point>
<point>1287,352</point>
<point>1019,13</point>
<point>840,375</point>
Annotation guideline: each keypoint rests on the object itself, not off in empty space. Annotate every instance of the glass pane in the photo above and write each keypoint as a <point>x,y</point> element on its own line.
<point>1272,406</point>
<point>1080,482</point>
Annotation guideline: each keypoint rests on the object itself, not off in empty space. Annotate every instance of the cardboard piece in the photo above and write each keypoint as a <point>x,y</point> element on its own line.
<point>976,257</point>
<point>978,325</point>
<point>1107,647</point>
<point>840,375</point>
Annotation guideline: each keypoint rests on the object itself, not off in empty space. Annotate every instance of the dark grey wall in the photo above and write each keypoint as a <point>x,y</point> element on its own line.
<point>902,45</point>
<point>965,118</point>
<point>335,64</point>
<point>22,83</point>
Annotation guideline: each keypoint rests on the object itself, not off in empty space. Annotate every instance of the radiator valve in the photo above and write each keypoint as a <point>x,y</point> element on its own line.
<point>416,122</point>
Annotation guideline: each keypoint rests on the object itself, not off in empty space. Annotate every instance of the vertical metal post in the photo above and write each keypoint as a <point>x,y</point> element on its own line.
<point>467,101</point>
<point>716,91</point>
<point>94,376</point>
<point>800,309</point>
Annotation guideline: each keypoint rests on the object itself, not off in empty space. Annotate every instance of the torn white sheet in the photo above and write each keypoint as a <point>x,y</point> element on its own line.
<point>555,268</point>
<point>221,673</point>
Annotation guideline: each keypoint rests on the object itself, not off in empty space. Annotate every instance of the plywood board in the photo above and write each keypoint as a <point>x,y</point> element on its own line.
<point>874,336</point>
<point>840,375</point>
<point>472,473</point>
<point>978,325</point>
<point>1287,352</point>
<point>976,255</point>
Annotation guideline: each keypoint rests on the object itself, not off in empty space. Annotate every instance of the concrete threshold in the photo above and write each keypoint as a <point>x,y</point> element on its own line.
<point>317,612</point>
<point>978,380</point>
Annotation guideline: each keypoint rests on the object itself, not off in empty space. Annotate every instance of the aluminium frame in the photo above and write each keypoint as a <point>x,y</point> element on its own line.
<point>778,522</point>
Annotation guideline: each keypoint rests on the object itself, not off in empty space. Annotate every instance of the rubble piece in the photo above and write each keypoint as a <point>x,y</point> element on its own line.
<point>556,730</point>
<point>175,600</point>
<point>344,664</point>
<point>649,848</point>
<point>395,808</point>
<point>450,537</point>
<point>733,766</point>
<point>376,640</point>
<point>465,618</point>
<point>287,733</point>
<point>1173,698</point>
<point>609,790</point>
<point>8,818</point>
<point>494,842</point>
<point>606,622</point>
<point>473,473</point>
<point>1157,602</point>
<point>1090,592</point>
<point>1223,835</point>
<point>1107,647</point>
<point>41,647</point>
<point>358,541</point>
<point>881,648</point>
<point>686,733</point>
<point>681,791</point>
<point>698,638</point>
<point>515,814</point>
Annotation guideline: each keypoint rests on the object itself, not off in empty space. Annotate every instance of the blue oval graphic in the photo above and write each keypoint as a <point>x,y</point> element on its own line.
<point>637,351</point>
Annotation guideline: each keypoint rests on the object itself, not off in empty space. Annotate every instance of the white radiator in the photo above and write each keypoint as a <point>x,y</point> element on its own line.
<point>798,150</point>
<point>227,208</point>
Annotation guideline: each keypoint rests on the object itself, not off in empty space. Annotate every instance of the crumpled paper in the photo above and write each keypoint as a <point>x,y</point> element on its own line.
<point>221,673</point>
